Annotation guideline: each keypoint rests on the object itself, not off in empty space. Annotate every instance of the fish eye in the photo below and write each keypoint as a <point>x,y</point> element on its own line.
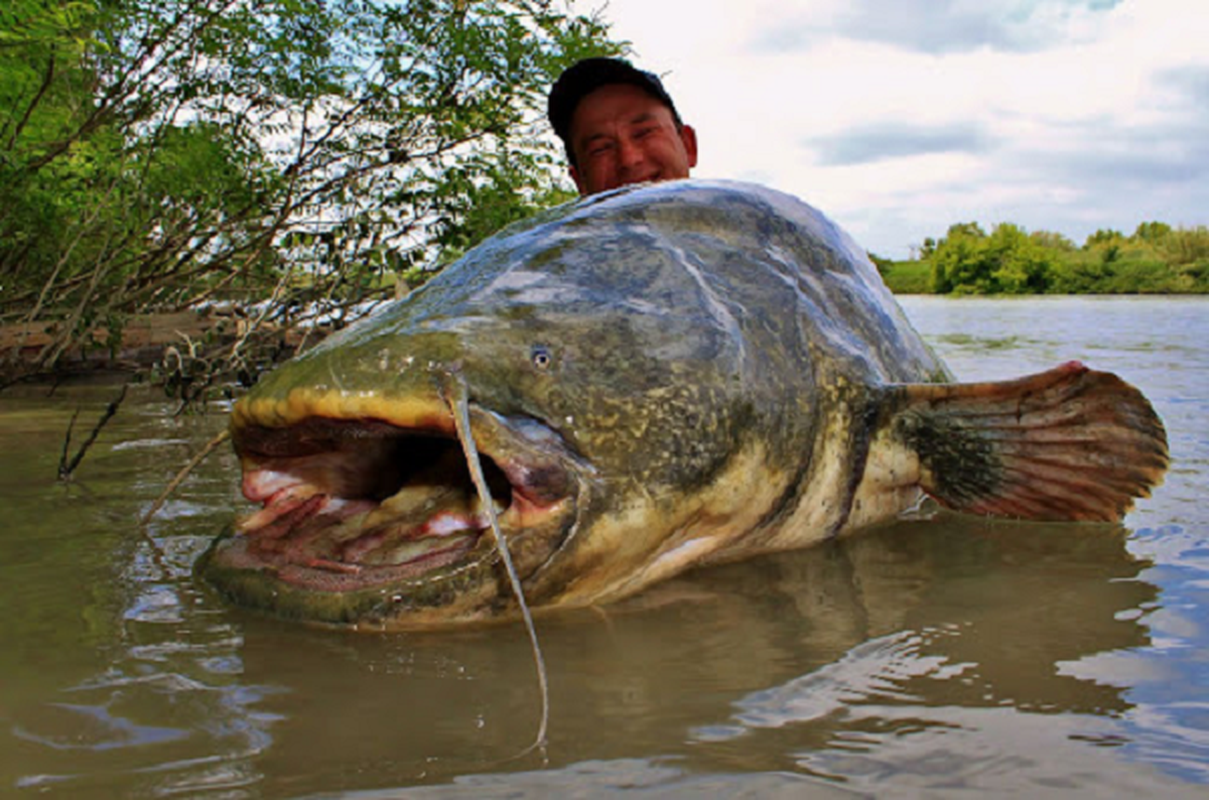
<point>541,358</point>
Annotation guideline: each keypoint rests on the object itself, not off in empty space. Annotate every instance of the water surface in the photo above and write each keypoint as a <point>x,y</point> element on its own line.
<point>940,657</point>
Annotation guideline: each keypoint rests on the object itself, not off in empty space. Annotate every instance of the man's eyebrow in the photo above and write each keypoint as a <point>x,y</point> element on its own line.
<point>587,140</point>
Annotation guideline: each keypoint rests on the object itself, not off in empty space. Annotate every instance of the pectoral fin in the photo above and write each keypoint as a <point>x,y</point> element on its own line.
<point>1067,444</point>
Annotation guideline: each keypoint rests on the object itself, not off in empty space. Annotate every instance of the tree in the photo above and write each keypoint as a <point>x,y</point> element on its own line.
<point>968,261</point>
<point>970,229</point>
<point>1053,241</point>
<point>1020,262</point>
<point>1187,245</point>
<point>1104,236</point>
<point>956,259</point>
<point>158,155</point>
<point>1152,232</point>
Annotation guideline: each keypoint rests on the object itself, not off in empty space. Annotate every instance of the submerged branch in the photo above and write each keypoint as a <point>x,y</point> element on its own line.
<point>66,470</point>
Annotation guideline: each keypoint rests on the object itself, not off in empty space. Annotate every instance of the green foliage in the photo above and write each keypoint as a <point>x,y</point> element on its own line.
<point>1053,241</point>
<point>883,264</point>
<point>954,256</point>
<point>1104,236</point>
<point>968,261</point>
<point>971,229</point>
<point>913,276</point>
<point>1157,258</point>
<point>1152,231</point>
<point>1186,246</point>
<point>156,155</point>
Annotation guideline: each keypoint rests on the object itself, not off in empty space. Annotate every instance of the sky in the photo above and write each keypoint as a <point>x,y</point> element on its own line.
<point>898,118</point>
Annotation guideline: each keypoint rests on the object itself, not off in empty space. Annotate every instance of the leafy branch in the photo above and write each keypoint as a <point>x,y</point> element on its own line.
<point>158,156</point>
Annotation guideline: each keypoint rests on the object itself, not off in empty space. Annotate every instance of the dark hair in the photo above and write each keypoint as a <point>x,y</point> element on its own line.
<point>586,76</point>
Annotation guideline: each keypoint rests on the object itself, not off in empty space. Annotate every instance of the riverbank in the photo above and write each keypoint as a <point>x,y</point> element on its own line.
<point>916,277</point>
<point>146,342</point>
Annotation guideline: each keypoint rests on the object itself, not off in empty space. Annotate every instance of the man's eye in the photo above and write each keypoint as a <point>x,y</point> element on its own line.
<point>644,132</point>
<point>600,149</point>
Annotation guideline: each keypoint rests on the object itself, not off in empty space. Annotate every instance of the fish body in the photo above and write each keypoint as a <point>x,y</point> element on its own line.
<point>657,378</point>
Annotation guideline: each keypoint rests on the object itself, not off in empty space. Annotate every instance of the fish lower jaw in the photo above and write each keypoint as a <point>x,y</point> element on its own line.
<point>316,576</point>
<point>328,544</point>
<point>303,534</point>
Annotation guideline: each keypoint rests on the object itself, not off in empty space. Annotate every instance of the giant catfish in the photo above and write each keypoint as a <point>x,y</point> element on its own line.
<point>657,378</point>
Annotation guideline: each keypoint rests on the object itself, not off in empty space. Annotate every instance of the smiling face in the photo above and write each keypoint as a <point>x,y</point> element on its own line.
<point>622,135</point>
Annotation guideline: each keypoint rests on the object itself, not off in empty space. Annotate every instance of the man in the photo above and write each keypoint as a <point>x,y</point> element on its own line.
<point>618,126</point>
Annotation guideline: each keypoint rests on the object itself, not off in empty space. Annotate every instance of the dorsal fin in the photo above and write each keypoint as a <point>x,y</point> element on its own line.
<point>1070,443</point>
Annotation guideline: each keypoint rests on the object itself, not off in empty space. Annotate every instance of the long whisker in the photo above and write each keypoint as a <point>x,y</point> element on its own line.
<point>460,406</point>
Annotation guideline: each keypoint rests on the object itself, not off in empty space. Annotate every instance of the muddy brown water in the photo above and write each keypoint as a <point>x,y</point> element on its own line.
<point>936,657</point>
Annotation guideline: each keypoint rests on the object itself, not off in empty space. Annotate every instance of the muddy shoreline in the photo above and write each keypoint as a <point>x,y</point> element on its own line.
<point>149,343</point>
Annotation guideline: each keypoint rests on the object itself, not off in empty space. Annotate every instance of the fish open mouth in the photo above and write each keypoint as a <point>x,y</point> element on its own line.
<point>350,504</point>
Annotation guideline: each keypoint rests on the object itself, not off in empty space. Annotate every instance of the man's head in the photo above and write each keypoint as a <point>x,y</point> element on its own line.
<point>619,126</point>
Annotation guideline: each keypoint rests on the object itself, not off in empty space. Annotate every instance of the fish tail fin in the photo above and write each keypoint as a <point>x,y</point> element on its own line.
<point>1070,443</point>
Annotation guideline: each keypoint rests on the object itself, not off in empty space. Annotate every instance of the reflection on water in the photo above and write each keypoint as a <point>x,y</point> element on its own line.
<point>934,656</point>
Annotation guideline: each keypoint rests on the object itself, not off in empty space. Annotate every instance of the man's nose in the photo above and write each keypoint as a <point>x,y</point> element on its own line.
<point>629,153</point>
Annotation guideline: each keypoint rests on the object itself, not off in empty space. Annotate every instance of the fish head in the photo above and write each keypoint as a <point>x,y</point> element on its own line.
<point>604,394</point>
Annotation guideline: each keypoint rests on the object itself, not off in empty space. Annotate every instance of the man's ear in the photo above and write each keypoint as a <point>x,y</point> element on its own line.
<point>579,182</point>
<point>689,137</point>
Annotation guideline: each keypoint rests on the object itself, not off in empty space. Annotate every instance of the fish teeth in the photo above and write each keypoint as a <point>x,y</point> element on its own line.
<point>422,504</point>
<point>260,485</point>
<point>446,523</point>
<point>280,502</point>
<point>405,541</point>
<point>411,501</point>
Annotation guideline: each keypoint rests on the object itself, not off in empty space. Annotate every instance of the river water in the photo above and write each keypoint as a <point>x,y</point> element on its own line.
<point>936,657</point>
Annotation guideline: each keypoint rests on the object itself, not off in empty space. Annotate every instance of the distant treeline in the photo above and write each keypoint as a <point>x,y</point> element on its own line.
<point>1155,259</point>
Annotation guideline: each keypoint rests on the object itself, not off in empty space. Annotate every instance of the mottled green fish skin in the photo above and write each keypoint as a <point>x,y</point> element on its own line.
<point>678,339</point>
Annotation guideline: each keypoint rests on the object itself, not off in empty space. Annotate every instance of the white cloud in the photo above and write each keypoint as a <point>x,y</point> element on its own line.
<point>1066,115</point>
<point>941,26</point>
